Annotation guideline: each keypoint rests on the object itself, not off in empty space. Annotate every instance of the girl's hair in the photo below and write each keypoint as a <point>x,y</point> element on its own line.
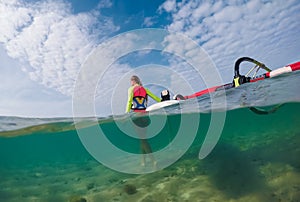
<point>136,79</point>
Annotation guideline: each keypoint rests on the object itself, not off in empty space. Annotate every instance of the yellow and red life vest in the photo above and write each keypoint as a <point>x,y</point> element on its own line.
<point>139,100</point>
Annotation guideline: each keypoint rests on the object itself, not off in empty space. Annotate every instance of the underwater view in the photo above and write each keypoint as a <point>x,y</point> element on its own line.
<point>255,159</point>
<point>221,123</point>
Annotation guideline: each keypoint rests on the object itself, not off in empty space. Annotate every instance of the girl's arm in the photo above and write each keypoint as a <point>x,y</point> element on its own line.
<point>129,100</point>
<point>154,97</point>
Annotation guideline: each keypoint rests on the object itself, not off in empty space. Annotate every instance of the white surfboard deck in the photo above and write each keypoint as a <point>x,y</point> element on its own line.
<point>163,104</point>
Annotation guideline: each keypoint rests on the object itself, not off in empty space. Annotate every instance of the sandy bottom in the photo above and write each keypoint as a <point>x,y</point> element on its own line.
<point>267,172</point>
<point>186,181</point>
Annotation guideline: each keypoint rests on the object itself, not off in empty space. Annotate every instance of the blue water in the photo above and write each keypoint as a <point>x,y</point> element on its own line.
<point>255,159</point>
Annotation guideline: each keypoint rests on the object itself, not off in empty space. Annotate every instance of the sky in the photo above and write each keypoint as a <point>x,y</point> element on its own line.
<point>44,45</point>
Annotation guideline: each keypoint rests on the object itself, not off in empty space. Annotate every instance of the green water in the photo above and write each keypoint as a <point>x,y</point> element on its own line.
<point>256,159</point>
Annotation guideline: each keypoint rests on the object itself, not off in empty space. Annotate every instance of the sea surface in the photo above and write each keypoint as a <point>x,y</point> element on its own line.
<point>256,158</point>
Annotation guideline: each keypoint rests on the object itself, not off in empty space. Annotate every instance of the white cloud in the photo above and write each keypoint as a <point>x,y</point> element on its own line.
<point>228,14</point>
<point>21,96</point>
<point>51,39</point>
<point>266,30</point>
<point>148,21</point>
<point>169,6</point>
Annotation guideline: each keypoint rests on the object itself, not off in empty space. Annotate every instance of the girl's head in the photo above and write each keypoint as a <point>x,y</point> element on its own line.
<point>135,80</point>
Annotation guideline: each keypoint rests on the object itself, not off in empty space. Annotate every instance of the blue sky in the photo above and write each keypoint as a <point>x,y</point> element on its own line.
<point>44,43</point>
